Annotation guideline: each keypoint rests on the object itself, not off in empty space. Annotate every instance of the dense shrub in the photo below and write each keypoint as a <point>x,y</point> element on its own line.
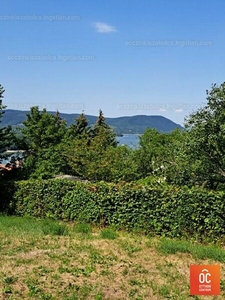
<point>163,210</point>
<point>43,198</point>
<point>7,191</point>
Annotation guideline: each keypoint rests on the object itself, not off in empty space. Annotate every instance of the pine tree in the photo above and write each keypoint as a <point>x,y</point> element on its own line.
<point>101,120</point>
<point>44,134</point>
<point>79,128</point>
<point>5,132</point>
<point>103,131</point>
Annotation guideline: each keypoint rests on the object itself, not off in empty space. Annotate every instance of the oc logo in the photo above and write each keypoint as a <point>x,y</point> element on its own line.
<point>204,277</point>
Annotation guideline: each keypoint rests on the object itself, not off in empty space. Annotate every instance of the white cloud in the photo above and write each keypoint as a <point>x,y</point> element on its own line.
<point>103,27</point>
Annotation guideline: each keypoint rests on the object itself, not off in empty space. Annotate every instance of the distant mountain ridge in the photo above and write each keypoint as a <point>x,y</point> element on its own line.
<point>122,125</point>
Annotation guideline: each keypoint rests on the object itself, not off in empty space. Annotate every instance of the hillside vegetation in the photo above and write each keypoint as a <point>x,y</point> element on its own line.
<point>133,124</point>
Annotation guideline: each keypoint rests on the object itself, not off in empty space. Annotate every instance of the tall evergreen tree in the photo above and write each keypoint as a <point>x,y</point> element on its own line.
<point>79,128</point>
<point>44,134</point>
<point>105,134</point>
<point>5,132</point>
<point>42,129</point>
<point>86,152</point>
<point>101,120</point>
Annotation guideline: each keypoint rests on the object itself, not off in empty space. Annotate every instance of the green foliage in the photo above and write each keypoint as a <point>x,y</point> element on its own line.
<point>163,210</point>
<point>7,190</point>
<point>168,246</point>
<point>161,154</point>
<point>1,97</point>
<point>121,125</point>
<point>82,228</point>
<point>43,129</point>
<point>5,132</point>
<point>153,181</point>
<point>45,163</point>
<point>152,147</point>
<point>43,134</point>
<point>93,154</point>
<point>198,251</point>
<point>51,227</point>
<point>38,198</point>
<point>79,205</point>
<point>106,134</point>
<point>118,164</point>
<point>32,226</point>
<point>206,144</point>
<point>112,165</point>
<point>192,157</point>
<point>79,128</point>
<point>109,234</point>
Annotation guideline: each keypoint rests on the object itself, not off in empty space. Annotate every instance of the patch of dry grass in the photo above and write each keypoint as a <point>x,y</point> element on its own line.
<point>84,265</point>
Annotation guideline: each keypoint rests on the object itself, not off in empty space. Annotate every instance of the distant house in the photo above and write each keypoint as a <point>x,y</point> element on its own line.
<point>6,167</point>
<point>10,168</point>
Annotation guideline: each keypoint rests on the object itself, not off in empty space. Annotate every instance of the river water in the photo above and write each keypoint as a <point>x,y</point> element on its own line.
<point>131,140</point>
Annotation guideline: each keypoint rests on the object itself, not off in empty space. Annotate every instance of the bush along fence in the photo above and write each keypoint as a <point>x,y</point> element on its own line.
<point>165,210</point>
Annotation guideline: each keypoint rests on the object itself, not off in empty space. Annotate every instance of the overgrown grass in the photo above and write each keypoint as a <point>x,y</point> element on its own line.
<point>109,234</point>
<point>54,228</point>
<point>83,228</point>
<point>47,259</point>
<point>12,225</point>
<point>198,251</point>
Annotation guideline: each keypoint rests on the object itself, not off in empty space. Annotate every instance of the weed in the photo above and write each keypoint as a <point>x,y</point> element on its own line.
<point>46,296</point>
<point>82,228</point>
<point>9,280</point>
<point>164,291</point>
<point>109,234</point>
<point>133,292</point>
<point>50,227</point>
<point>125,271</point>
<point>168,246</point>
<point>130,248</point>
<point>99,296</point>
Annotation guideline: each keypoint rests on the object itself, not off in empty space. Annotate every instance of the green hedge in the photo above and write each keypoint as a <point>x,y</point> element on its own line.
<point>7,192</point>
<point>169,211</point>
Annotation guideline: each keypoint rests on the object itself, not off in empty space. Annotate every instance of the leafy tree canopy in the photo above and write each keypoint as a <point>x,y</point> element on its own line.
<point>43,133</point>
<point>42,129</point>
<point>206,146</point>
<point>5,132</point>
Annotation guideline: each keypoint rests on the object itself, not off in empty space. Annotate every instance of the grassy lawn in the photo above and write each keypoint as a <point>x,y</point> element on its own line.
<point>42,259</point>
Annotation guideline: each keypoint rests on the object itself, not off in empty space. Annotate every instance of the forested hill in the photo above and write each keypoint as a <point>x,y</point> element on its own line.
<point>129,124</point>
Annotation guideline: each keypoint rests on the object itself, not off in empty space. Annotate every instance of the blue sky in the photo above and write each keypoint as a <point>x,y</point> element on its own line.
<point>126,57</point>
